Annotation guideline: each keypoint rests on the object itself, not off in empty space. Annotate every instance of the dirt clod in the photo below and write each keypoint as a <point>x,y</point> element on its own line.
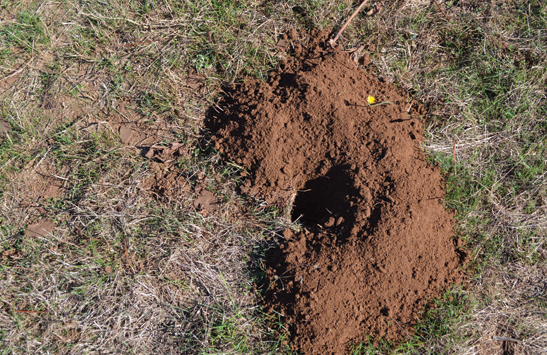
<point>206,201</point>
<point>166,184</point>
<point>125,134</point>
<point>377,243</point>
<point>195,81</point>
<point>41,228</point>
<point>167,154</point>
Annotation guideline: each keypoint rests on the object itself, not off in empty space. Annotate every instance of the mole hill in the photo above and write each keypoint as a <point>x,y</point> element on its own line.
<point>376,243</point>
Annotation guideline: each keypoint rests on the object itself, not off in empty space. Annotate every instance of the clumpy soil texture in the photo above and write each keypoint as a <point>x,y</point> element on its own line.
<point>377,243</point>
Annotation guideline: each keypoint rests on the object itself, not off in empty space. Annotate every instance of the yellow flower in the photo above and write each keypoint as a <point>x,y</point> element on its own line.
<point>371,100</point>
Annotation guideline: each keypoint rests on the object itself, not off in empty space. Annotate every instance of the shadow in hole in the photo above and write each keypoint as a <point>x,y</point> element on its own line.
<point>287,80</point>
<point>325,197</point>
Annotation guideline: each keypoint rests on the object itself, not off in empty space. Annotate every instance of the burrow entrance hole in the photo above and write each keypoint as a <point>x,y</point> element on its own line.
<point>325,197</point>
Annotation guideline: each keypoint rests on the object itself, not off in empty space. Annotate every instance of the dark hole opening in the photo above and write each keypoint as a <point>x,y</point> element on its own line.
<point>324,197</point>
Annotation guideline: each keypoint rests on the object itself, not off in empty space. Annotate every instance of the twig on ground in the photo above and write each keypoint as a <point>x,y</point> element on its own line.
<point>507,339</point>
<point>125,245</point>
<point>333,41</point>
<point>440,8</point>
<point>381,103</point>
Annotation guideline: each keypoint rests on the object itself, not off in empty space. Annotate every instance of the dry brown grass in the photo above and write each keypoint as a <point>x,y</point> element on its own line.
<point>121,272</point>
<point>515,294</point>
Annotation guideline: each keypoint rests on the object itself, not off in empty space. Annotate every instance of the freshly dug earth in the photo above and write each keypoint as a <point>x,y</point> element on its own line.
<point>377,243</point>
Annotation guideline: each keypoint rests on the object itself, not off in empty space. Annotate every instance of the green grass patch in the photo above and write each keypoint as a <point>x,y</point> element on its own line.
<point>26,32</point>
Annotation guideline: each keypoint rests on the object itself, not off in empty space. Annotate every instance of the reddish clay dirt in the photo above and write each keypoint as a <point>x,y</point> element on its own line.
<point>377,243</point>
<point>40,229</point>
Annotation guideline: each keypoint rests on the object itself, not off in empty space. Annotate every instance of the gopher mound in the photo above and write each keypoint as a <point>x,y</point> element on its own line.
<point>377,243</point>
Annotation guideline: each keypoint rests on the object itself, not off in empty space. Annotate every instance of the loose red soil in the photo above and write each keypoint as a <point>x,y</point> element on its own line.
<point>377,243</point>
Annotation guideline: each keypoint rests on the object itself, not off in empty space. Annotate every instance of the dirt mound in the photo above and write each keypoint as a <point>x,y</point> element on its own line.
<point>377,242</point>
